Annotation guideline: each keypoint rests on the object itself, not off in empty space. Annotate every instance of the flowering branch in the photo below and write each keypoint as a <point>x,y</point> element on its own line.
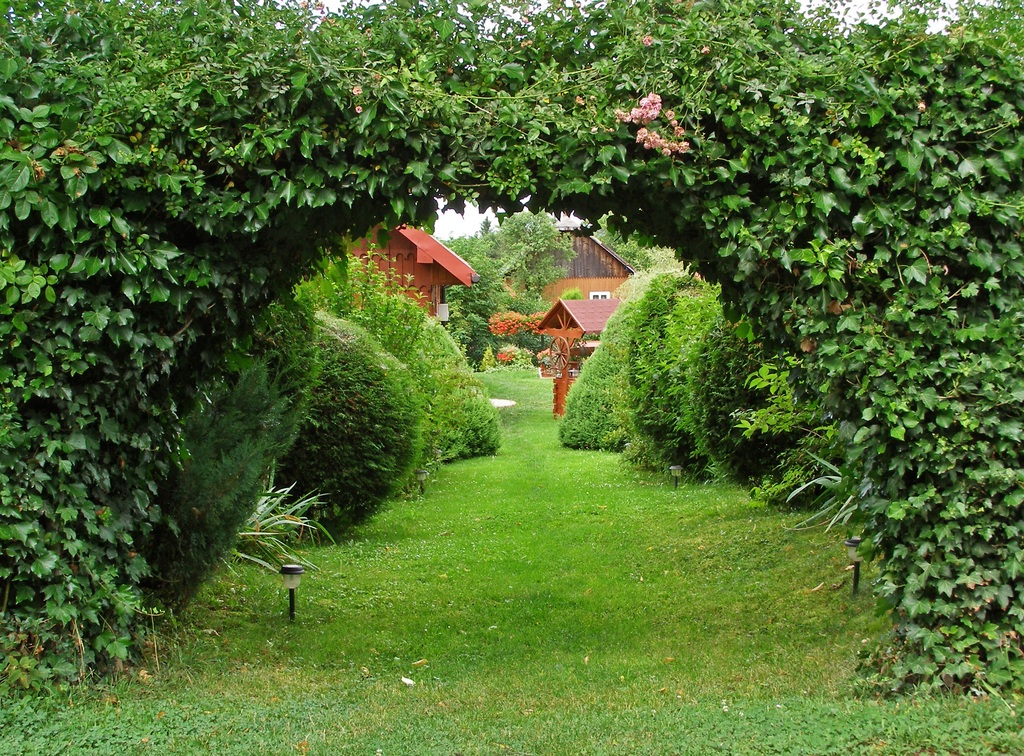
<point>647,111</point>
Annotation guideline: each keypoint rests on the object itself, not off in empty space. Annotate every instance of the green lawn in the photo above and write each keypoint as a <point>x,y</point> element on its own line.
<point>543,601</point>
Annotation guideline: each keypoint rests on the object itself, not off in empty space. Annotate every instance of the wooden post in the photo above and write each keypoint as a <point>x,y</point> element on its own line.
<point>560,386</point>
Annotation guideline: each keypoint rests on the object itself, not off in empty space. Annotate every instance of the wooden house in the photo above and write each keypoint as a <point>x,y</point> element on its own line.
<point>425,264</point>
<point>595,270</point>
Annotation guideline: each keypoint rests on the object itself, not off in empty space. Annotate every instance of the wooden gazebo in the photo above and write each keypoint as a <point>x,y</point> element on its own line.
<point>568,323</point>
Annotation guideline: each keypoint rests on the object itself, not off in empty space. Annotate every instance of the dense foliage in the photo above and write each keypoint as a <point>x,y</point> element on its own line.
<point>532,252</point>
<point>166,169</point>
<point>720,394</point>
<point>362,432</point>
<point>458,419</point>
<point>229,444</point>
<point>666,326</point>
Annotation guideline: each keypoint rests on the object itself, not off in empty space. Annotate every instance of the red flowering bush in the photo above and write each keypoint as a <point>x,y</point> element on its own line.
<point>513,356</point>
<point>513,323</point>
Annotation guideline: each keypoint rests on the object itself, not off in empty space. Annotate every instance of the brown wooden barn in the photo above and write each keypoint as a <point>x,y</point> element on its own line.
<point>425,263</point>
<point>595,270</point>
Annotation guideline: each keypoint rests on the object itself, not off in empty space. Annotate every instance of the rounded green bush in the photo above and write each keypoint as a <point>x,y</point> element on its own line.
<point>460,421</point>
<point>362,432</point>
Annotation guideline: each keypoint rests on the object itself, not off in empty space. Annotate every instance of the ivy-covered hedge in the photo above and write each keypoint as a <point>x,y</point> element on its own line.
<point>362,432</point>
<point>166,169</point>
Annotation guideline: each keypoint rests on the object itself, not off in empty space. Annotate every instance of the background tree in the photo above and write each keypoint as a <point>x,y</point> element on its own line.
<point>532,252</point>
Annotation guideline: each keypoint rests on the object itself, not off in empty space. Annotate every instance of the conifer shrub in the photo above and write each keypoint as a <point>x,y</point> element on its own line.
<point>488,361</point>
<point>720,396</point>
<point>228,446</point>
<point>362,433</point>
<point>665,326</point>
<point>594,413</point>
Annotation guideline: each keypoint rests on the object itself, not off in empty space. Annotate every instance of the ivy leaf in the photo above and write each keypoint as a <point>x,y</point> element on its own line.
<point>969,167</point>
<point>917,271</point>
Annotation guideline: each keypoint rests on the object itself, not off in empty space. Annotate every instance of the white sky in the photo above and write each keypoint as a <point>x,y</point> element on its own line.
<point>451,225</point>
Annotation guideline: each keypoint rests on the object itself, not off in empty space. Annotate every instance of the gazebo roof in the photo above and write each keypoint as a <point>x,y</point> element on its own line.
<point>589,315</point>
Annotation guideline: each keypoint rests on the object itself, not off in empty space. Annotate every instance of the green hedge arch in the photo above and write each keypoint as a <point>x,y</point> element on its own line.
<point>166,169</point>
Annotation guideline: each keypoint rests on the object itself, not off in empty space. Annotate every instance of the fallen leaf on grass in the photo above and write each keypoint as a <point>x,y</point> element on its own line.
<point>420,663</point>
<point>818,587</point>
<point>408,682</point>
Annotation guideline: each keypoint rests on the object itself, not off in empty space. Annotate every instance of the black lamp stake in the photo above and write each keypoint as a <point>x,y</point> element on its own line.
<point>851,547</point>
<point>292,575</point>
<point>677,472</point>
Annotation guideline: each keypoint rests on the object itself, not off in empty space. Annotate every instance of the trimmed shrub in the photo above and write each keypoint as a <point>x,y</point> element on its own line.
<point>460,421</point>
<point>720,396</point>
<point>362,432</point>
<point>229,444</point>
<point>665,326</point>
<point>594,413</point>
<point>285,339</point>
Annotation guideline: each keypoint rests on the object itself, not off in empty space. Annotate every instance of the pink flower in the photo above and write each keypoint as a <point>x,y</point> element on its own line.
<point>359,109</point>
<point>357,90</point>
<point>648,40</point>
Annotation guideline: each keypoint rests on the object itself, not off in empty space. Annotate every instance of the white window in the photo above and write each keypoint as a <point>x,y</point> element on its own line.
<point>600,295</point>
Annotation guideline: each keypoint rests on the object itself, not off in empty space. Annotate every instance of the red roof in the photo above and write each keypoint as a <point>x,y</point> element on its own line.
<point>429,249</point>
<point>589,314</point>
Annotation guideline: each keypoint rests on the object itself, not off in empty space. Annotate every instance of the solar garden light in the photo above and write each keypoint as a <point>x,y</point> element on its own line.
<point>292,575</point>
<point>421,476</point>
<point>677,473</point>
<point>852,544</point>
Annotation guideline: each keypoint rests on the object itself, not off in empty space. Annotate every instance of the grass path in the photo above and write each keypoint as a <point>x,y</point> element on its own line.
<point>542,601</point>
